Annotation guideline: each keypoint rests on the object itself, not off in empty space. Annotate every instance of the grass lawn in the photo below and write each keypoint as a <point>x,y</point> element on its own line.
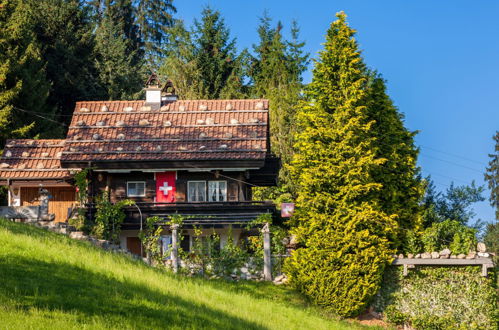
<point>50,281</point>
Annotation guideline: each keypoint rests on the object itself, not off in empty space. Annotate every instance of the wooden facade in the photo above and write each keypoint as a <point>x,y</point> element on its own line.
<point>223,145</point>
<point>62,200</point>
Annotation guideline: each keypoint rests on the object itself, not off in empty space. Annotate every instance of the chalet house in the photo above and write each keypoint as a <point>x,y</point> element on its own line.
<point>197,158</point>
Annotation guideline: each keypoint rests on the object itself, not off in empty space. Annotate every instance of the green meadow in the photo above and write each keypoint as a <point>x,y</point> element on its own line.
<point>48,281</point>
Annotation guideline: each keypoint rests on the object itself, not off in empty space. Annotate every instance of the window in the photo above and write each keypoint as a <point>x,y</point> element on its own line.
<point>217,191</point>
<point>136,188</point>
<point>196,191</point>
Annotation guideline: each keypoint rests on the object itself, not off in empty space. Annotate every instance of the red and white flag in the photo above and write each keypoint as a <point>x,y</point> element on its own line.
<point>165,187</point>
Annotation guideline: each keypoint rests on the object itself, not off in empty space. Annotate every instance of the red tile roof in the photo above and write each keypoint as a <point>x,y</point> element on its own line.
<point>32,159</point>
<point>179,130</point>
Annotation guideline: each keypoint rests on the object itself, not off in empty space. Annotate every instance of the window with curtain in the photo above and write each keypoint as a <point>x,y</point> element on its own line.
<point>217,191</point>
<point>196,191</point>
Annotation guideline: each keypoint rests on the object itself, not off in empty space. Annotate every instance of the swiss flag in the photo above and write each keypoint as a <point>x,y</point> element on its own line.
<point>165,187</point>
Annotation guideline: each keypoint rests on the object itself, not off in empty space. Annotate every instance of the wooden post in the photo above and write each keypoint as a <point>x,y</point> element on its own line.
<point>174,254</point>
<point>267,256</point>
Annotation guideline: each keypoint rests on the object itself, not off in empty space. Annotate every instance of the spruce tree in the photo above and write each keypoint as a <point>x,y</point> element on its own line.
<point>23,85</point>
<point>180,65</point>
<point>155,19</point>
<point>118,53</point>
<point>276,73</point>
<point>216,56</point>
<point>65,32</point>
<point>345,236</point>
<point>203,63</point>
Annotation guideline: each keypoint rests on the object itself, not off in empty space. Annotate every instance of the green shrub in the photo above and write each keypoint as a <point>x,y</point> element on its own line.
<point>439,298</point>
<point>109,217</point>
<point>449,234</point>
<point>341,266</point>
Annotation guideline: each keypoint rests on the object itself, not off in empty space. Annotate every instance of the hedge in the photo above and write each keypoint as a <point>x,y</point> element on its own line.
<point>439,298</point>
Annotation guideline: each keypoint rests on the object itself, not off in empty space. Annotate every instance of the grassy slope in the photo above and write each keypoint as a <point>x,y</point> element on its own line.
<point>50,281</point>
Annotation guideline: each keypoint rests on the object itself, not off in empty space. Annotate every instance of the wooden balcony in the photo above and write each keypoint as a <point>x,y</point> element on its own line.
<point>211,214</point>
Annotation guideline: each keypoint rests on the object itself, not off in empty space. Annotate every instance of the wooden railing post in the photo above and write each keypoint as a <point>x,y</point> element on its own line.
<point>174,254</point>
<point>267,255</point>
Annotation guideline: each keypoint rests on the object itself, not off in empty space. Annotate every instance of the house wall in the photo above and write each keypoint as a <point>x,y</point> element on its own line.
<point>116,184</point>
<point>62,199</point>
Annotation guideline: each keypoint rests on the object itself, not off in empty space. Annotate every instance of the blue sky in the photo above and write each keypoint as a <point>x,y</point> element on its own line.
<point>440,58</point>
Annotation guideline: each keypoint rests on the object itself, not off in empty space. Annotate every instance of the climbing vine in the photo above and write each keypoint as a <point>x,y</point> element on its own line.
<point>79,221</point>
<point>109,217</point>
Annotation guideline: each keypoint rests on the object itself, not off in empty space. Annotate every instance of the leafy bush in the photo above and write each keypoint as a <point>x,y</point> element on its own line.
<point>254,244</point>
<point>449,234</point>
<point>80,221</point>
<point>109,217</point>
<point>342,265</point>
<point>439,298</point>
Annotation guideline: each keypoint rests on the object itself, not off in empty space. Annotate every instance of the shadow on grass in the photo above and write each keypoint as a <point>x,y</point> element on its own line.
<point>27,283</point>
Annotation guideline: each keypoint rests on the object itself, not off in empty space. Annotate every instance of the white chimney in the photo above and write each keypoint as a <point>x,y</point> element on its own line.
<point>153,92</point>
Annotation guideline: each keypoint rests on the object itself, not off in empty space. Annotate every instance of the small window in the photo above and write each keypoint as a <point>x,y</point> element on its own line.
<point>136,189</point>
<point>196,191</point>
<point>217,191</point>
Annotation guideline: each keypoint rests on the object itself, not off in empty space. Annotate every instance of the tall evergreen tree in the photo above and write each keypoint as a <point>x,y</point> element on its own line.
<point>180,64</point>
<point>64,31</point>
<point>203,63</point>
<point>118,52</point>
<point>155,19</point>
<point>23,83</point>
<point>402,189</point>
<point>344,233</point>
<point>216,56</point>
<point>492,176</point>
<point>276,74</point>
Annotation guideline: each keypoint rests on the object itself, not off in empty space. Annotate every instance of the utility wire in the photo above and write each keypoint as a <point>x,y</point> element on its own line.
<point>449,162</point>
<point>454,155</point>
<point>35,114</point>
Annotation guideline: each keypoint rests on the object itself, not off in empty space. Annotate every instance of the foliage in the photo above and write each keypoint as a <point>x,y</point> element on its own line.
<point>155,20</point>
<point>492,176</point>
<point>275,71</point>
<point>109,217</point>
<point>229,258</point>
<point>345,236</point>
<point>23,82</point>
<point>204,62</point>
<point>150,238</point>
<point>460,298</point>
<point>401,187</point>
<point>80,221</point>
<point>448,234</point>
<point>491,239</point>
<point>65,31</point>
<point>277,250</point>
<point>455,204</point>
<point>50,281</point>
<point>118,51</point>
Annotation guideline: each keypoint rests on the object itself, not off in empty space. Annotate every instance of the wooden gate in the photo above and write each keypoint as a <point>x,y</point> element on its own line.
<point>63,198</point>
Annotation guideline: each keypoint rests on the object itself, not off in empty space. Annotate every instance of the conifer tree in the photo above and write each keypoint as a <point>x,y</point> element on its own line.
<point>402,189</point>
<point>492,176</point>
<point>155,20</point>
<point>65,33</point>
<point>23,84</point>
<point>216,55</point>
<point>345,236</point>
<point>276,73</point>
<point>180,65</point>
<point>118,52</point>
<point>203,63</point>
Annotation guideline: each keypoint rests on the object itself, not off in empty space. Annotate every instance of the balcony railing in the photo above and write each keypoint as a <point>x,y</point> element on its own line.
<point>197,213</point>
